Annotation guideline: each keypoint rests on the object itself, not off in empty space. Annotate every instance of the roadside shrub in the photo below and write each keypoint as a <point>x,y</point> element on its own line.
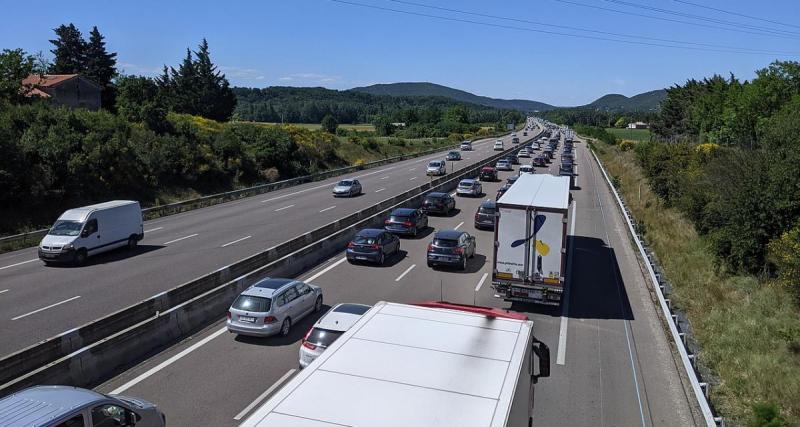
<point>270,174</point>
<point>627,145</point>
<point>767,415</point>
<point>784,253</point>
<point>370,144</point>
<point>455,137</point>
<point>397,142</point>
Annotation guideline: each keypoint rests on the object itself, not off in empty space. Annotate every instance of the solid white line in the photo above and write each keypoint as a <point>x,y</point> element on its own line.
<point>179,239</point>
<point>385,177</point>
<point>236,241</point>
<point>45,308</point>
<point>459,225</point>
<point>379,190</point>
<point>480,283</point>
<point>412,178</point>
<point>327,269</point>
<point>153,229</point>
<point>327,209</point>
<point>19,263</point>
<point>285,207</point>
<point>561,355</point>
<point>264,395</point>
<point>296,192</point>
<point>412,169</point>
<point>168,362</point>
<point>3,291</point>
<point>400,277</point>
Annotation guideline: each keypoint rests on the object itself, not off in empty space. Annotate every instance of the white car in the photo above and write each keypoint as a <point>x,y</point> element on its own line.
<point>524,153</point>
<point>498,145</point>
<point>525,169</point>
<point>466,146</point>
<point>436,167</point>
<point>329,327</point>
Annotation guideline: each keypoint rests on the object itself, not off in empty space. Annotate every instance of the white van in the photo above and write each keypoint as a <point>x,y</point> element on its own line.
<point>82,232</point>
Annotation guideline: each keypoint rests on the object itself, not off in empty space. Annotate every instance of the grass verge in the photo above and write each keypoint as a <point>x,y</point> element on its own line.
<point>748,330</point>
<point>630,134</point>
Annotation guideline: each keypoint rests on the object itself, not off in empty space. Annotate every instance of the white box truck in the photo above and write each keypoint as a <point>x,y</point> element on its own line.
<point>82,232</point>
<point>530,240</point>
<point>428,364</point>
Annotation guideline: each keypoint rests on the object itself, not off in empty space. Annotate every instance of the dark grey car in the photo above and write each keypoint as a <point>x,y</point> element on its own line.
<point>452,248</point>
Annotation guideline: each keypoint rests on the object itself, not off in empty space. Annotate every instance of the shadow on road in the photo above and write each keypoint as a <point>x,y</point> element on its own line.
<point>296,333</point>
<point>112,256</point>
<point>597,290</point>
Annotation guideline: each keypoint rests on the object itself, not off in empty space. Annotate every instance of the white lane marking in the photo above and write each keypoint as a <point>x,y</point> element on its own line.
<point>181,238</point>
<point>385,177</point>
<point>327,209</point>
<point>403,274</point>
<point>561,355</point>
<point>264,395</point>
<point>19,263</point>
<point>453,193</point>
<point>45,308</point>
<point>236,241</point>
<point>459,225</point>
<point>3,291</point>
<point>412,169</point>
<point>153,229</point>
<point>488,200</point>
<point>285,207</point>
<point>327,269</point>
<point>171,360</point>
<point>379,190</point>
<point>412,178</point>
<point>480,282</point>
<point>296,192</point>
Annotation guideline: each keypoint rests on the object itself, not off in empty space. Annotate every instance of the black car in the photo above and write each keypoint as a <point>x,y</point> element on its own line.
<point>453,155</point>
<point>502,190</point>
<point>373,245</point>
<point>451,247</point>
<point>488,173</point>
<point>484,217</point>
<point>539,160</point>
<point>512,179</point>
<point>513,159</point>
<point>406,221</point>
<point>440,203</point>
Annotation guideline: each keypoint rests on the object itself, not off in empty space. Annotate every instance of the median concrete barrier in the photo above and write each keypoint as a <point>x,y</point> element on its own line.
<point>91,353</point>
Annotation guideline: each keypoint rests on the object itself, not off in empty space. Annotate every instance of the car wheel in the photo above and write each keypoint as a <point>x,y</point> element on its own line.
<point>132,242</point>
<point>413,234</point>
<point>464,264</point>
<point>80,257</point>
<point>286,326</point>
<point>430,264</point>
<point>318,304</point>
<point>382,260</point>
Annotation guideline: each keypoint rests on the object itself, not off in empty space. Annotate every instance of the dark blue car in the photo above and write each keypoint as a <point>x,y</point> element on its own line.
<point>406,221</point>
<point>373,245</point>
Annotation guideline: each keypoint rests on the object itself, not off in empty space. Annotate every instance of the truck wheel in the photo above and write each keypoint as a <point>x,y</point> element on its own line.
<point>132,242</point>
<point>80,257</point>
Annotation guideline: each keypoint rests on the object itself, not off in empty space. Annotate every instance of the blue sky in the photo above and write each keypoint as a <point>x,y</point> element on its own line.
<point>339,46</point>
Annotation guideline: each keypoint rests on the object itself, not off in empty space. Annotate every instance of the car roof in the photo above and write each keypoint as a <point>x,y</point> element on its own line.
<point>467,181</point>
<point>403,211</point>
<point>347,179</point>
<point>448,234</point>
<point>342,316</point>
<point>42,404</point>
<point>267,287</point>
<point>488,204</point>
<point>370,232</point>
<point>487,168</point>
<point>437,195</point>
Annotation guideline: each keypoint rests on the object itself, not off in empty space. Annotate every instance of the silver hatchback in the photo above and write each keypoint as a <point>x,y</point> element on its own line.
<point>272,306</point>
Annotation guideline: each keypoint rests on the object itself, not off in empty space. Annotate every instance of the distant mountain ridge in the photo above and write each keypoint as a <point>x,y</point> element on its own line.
<point>432,89</point>
<point>648,101</point>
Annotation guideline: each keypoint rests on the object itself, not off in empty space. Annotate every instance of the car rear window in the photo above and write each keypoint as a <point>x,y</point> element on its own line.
<point>365,240</point>
<point>445,243</point>
<point>352,309</point>
<point>399,218</point>
<point>486,210</point>
<point>433,164</point>
<point>252,303</point>
<point>465,184</point>
<point>323,337</point>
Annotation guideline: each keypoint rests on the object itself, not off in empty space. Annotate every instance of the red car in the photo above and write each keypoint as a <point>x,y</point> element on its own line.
<point>488,173</point>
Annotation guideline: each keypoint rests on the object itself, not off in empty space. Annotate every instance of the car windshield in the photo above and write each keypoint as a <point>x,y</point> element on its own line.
<point>467,184</point>
<point>433,164</point>
<point>365,240</point>
<point>252,303</point>
<point>445,243</point>
<point>66,228</point>
<point>345,183</point>
<point>323,337</point>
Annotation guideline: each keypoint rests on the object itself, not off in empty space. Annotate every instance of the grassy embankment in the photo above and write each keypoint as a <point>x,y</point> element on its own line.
<point>630,134</point>
<point>741,323</point>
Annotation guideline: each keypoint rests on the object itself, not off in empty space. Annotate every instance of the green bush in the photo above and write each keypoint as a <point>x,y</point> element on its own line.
<point>767,415</point>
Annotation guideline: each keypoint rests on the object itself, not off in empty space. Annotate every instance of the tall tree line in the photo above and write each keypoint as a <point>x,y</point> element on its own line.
<point>74,55</point>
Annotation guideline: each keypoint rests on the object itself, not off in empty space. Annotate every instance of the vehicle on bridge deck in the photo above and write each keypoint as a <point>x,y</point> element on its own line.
<point>422,365</point>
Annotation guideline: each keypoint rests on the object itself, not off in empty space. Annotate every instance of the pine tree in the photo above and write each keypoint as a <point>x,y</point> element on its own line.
<point>184,85</point>
<point>215,99</point>
<point>100,65</point>
<point>70,51</point>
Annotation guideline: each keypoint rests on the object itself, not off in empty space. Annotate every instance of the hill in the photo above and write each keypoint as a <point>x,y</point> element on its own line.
<point>432,89</point>
<point>648,101</point>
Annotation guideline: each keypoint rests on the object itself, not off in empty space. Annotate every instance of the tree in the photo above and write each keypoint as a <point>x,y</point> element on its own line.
<point>215,99</point>
<point>183,84</point>
<point>139,100</point>
<point>621,122</point>
<point>100,65</point>
<point>70,51</point>
<point>15,65</point>
<point>329,124</point>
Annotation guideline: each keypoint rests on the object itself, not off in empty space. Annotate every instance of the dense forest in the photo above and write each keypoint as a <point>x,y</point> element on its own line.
<point>727,153</point>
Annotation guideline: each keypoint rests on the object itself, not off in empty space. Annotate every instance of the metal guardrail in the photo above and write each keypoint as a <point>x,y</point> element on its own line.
<point>679,337</point>
<point>33,237</point>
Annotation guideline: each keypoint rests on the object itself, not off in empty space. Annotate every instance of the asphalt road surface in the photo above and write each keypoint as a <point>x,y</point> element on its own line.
<point>38,302</point>
<point>612,363</point>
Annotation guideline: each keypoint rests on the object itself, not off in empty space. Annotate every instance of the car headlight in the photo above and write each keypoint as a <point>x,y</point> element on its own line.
<point>68,247</point>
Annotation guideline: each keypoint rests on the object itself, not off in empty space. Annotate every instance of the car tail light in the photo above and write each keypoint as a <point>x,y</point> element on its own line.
<point>459,250</point>
<point>430,247</point>
<point>270,319</point>
<point>387,222</point>
<point>375,247</point>
<point>229,315</point>
<point>477,216</point>
<point>351,245</point>
<point>407,224</point>
<point>307,344</point>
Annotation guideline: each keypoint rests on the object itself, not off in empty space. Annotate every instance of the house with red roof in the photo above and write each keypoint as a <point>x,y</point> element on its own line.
<point>71,90</point>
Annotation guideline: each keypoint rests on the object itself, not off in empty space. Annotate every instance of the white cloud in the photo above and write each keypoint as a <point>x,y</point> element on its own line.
<point>310,78</point>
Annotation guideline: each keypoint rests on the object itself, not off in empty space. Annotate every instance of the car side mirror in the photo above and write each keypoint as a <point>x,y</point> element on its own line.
<point>84,233</point>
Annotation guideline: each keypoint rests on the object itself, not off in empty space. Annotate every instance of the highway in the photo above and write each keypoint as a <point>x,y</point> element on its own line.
<point>38,302</point>
<point>612,363</point>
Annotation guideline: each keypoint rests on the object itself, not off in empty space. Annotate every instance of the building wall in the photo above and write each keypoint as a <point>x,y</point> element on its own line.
<point>77,93</point>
